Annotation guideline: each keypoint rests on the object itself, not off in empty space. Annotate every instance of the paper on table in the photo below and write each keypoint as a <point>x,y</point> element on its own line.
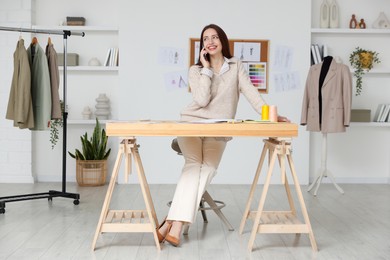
<point>218,120</point>
<point>224,120</point>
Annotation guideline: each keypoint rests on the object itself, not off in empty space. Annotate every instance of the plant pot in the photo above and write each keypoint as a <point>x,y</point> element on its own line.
<point>366,60</point>
<point>91,173</point>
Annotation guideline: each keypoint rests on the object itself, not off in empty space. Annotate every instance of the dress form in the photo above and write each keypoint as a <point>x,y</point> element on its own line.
<point>324,172</point>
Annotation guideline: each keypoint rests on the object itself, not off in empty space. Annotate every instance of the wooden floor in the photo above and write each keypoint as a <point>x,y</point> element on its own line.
<point>355,225</point>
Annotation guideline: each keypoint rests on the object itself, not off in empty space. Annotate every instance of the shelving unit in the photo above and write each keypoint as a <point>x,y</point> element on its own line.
<point>355,161</point>
<point>350,31</point>
<point>91,68</point>
<point>89,81</point>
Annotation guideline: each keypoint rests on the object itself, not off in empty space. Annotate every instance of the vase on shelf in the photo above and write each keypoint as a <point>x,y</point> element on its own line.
<point>86,113</point>
<point>381,22</point>
<point>334,15</point>
<point>102,107</point>
<point>324,14</point>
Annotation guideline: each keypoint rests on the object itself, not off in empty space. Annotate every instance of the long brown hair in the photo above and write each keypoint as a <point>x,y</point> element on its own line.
<point>222,37</point>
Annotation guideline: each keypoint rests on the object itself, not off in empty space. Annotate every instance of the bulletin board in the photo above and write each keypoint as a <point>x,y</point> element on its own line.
<point>253,53</point>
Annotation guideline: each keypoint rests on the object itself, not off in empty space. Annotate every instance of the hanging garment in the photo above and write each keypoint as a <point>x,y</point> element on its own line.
<point>336,99</point>
<point>52,61</point>
<point>20,103</point>
<point>40,87</point>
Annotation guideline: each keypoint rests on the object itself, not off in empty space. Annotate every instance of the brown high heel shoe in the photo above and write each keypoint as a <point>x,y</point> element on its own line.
<point>171,239</point>
<point>161,238</point>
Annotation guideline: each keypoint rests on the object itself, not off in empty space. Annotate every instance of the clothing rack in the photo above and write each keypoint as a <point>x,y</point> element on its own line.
<point>52,193</point>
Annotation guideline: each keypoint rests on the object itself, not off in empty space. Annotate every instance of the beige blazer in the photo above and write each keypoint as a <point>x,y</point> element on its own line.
<point>336,99</point>
<point>20,107</point>
<point>52,61</point>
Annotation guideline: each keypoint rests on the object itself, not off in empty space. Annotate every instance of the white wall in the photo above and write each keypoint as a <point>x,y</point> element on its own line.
<point>146,28</point>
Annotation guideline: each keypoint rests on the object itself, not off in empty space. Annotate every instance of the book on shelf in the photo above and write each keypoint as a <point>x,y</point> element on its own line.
<point>112,57</point>
<point>318,53</point>
<point>382,113</point>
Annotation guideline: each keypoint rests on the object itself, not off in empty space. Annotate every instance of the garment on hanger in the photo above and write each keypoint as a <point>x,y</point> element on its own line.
<point>20,107</point>
<point>40,87</point>
<point>52,61</point>
<point>327,100</point>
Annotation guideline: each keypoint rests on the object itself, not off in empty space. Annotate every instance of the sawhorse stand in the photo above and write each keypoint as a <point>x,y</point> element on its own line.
<point>324,172</point>
<point>277,221</point>
<point>128,220</point>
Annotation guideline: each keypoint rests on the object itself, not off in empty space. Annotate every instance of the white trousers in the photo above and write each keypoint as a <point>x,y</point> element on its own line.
<point>202,156</point>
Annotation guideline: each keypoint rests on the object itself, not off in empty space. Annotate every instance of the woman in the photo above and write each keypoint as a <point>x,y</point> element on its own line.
<point>216,82</point>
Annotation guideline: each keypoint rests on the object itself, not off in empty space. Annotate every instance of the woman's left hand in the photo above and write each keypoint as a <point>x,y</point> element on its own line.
<point>283,119</point>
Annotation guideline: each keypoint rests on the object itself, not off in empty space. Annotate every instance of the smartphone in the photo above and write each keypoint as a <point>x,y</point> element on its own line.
<point>206,56</point>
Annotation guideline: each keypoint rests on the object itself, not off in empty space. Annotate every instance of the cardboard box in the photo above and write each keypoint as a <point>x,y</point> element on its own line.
<point>360,115</point>
<point>72,59</point>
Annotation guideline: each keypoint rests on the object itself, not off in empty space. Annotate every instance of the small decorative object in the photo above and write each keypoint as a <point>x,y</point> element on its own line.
<point>86,113</point>
<point>362,61</point>
<point>353,23</point>
<point>362,24</point>
<point>102,107</point>
<point>334,15</point>
<point>381,22</point>
<point>91,163</point>
<point>338,59</point>
<point>94,62</point>
<point>324,14</point>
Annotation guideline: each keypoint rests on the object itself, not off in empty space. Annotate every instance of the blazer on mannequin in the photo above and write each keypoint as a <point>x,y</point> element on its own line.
<point>327,99</point>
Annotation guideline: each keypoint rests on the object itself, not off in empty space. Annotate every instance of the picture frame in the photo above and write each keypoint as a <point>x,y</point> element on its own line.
<point>252,52</point>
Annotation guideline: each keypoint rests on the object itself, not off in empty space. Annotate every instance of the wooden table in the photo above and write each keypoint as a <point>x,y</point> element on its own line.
<point>278,145</point>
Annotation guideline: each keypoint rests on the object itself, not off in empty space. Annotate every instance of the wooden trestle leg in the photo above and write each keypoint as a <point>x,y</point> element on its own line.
<point>128,220</point>
<point>277,221</point>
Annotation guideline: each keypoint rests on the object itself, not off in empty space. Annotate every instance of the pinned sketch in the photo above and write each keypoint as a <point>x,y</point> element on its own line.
<point>282,58</point>
<point>196,52</point>
<point>171,56</point>
<point>247,51</point>
<point>286,81</point>
<point>258,74</point>
<point>176,80</point>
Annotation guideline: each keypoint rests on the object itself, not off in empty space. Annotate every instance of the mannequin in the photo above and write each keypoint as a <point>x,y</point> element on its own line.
<point>334,83</point>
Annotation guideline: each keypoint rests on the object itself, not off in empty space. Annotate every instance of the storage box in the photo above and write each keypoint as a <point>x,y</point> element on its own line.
<point>360,115</point>
<point>72,59</point>
<point>78,21</point>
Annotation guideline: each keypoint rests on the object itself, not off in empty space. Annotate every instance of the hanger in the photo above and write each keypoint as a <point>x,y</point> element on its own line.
<point>20,35</point>
<point>49,40</point>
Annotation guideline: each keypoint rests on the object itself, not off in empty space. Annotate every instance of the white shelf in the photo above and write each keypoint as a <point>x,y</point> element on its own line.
<point>90,68</point>
<point>350,31</point>
<point>87,122</point>
<point>373,124</point>
<point>78,28</point>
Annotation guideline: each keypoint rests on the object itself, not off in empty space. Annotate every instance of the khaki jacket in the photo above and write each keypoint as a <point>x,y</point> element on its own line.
<point>20,103</point>
<point>336,99</point>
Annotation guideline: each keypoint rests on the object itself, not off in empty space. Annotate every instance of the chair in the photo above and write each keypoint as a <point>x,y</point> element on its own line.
<point>215,205</point>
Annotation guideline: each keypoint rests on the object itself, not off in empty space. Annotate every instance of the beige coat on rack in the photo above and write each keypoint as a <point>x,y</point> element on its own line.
<point>20,104</point>
<point>51,55</point>
<point>336,99</point>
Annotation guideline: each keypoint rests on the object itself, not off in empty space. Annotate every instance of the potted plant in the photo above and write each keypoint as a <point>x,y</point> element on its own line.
<point>91,162</point>
<point>362,61</point>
